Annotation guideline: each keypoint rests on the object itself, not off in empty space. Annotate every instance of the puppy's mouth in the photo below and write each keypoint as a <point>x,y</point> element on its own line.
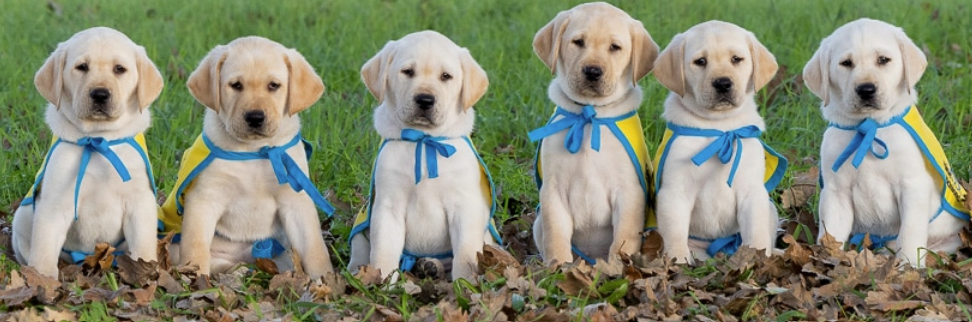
<point>723,102</point>
<point>866,106</point>
<point>99,113</point>
<point>421,120</point>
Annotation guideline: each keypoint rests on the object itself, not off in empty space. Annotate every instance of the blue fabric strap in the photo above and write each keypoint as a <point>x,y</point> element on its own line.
<point>77,257</point>
<point>862,143</point>
<point>575,123</point>
<point>582,255</point>
<point>102,146</point>
<point>722,146</point>
<point>408,260</point>
<point>267,248</point>
<point>877,242</point>
<point>284,168</point>
<point>727,245</point>
<point>433,148</point>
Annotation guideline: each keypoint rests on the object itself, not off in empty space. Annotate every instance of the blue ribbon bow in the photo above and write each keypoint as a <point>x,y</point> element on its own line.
<point>727,245</point>
<point>433,148</point>
<point>877,242</point>
<point>102,146</point>
<point>722,146</point>
<point>862,143</point>
<point>576,122</point>
<point>284,168</point>
<point>267,248</point>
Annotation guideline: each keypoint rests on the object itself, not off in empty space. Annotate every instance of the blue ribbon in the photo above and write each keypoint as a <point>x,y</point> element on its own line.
<point>102,146</point>
<point>575,123</point>
<point>267,248</point>
<point>408,260</point>
<point>77,257</point>
<point>862,143</point>
<point>877,242</point>
<point>433,148</point>
<point>582,255</point>
<point>726,245</point>
<point>284,168</point>
<point>722,146</point>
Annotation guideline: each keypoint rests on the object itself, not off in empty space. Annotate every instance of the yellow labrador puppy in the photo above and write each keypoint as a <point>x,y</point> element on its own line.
<point>877,144</point>
<point>592,162</point>
<point>714,172</point>
<point>96,184</point>
<point>431,194</point>
<point>243,191</point>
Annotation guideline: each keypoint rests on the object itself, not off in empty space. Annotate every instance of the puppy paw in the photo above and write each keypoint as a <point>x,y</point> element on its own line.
<point>427,267</point>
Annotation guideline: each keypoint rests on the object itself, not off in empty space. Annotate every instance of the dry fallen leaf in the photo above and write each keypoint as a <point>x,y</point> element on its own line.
<point>267,265</point>
<point>136,272</point>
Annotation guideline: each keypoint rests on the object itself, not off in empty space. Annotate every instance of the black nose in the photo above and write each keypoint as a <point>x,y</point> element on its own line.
<point>722,84</point>
<point>866,91</point>
<point>592,73</point>
<point>100,95</point>
<point>424,101</point>
<point>254,118</point>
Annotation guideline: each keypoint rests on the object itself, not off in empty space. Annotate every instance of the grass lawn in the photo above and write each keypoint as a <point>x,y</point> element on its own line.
<point>337,37</point>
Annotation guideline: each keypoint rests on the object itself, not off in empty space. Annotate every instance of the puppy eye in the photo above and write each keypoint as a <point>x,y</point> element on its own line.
<point>615,47</point>
<point>700,62</point>
<point>82,67</point>
<point>119,69</point>
<point>579,42</point>
<point>445,77</point>
<point>408,72</point>
<point>236,86</point>
<point>736,59</point>
<point>273,86</point>
<point>883,60</point>
<point>847,63</point>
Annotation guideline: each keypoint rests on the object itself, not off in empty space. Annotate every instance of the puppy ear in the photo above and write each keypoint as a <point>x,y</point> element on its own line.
<point>149,79</point>
<point>474,80</point>
<point>204,83</point>
<point>764,64</point>
<point>374,73</point>
<point>644,51</point>
<point>48,80</point>
<point>546,44</point>
<point>912,59</point>
<point>305,86</point>
<point>669,69</point>
<point>815,73</point>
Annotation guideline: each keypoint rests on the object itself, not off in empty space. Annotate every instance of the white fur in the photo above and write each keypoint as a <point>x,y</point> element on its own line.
<point>696,200</point>
<point>882,197</point>
<point>108,210</point>
<point>437,215</point>
<point>242,200</point>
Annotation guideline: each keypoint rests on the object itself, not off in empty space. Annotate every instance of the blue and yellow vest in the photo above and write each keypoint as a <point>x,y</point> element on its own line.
<point>953,195</point>
<point>433,148</point>
<point>722,149</point>
<point>203,152</point>
<point>92,145</point>
<point>625,128</point>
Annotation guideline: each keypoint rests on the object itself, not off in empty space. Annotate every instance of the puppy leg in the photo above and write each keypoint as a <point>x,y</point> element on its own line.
<point>836,214</point>
<point>360,252</point>
<point>139,228</point>
<point>23,223</point>
<point>757,218</point>
<point>557,226</point>
<point>628,221</point>
<point>198,229</point>
<point>913,233</point>
<point>674,214</point>
<point>465,226</point>
<point>387,234</point>
<point>303,228</point>
<point>52,220</point>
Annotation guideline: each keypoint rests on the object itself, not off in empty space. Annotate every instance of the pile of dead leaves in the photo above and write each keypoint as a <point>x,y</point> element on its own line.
<point>808,282</point>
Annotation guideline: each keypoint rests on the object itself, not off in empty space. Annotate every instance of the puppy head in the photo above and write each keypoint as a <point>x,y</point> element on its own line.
<point>716,66</point>
<point>99,79</point>
<point>425,79</point>
<point>865,67</point>
<point>254,84</point>
<point>597,52</point>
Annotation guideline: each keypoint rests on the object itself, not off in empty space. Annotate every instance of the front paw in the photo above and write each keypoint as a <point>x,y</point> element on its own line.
<point>427,267</point>
<point>682,255</point>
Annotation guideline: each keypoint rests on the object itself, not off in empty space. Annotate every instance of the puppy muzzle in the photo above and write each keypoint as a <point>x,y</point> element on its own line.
<point>99,105</point>
<point>423,110</point>
<point>867,98</point>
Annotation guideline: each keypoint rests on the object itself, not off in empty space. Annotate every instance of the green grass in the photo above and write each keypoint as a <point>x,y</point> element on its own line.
<point>337,37</point>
